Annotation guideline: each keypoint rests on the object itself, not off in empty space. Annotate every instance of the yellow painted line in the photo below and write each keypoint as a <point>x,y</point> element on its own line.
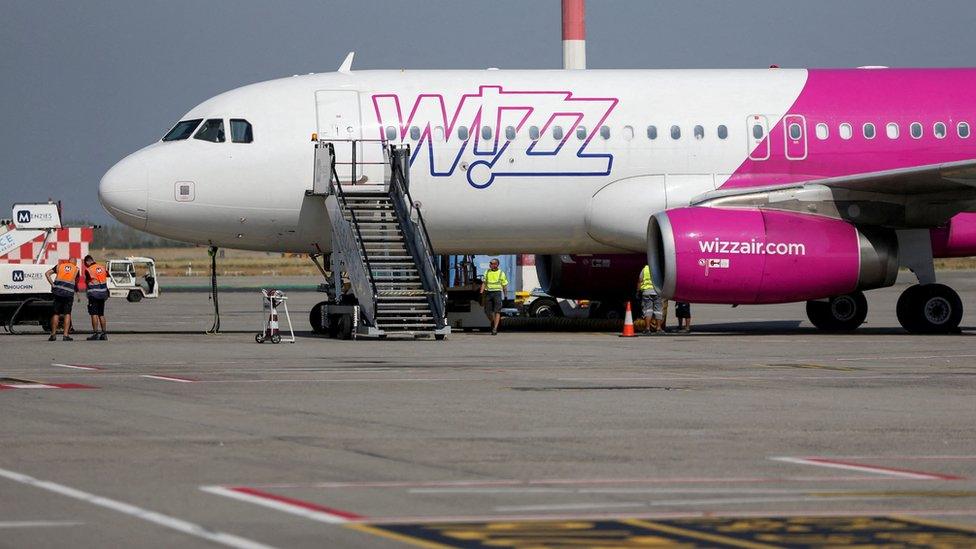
<point>668,529</point>
<point>397,536</point>
<point>935,523</point>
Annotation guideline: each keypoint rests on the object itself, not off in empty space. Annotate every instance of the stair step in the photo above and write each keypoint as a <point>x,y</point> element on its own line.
<point>429,325</point>
<point>391,300</point>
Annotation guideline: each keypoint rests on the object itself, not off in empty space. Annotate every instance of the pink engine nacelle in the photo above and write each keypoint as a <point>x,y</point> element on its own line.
<point>749,256</point>
<point>957,238</point>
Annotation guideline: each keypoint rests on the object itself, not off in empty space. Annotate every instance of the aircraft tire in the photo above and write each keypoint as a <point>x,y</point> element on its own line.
<point>841,313</point>
<point>315,318</point>
<point>929,309</point>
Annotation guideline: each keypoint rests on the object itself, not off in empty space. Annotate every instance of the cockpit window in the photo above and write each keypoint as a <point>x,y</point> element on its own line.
<point>240,131</point>
<point>182,130</point>
<point>212,130</point>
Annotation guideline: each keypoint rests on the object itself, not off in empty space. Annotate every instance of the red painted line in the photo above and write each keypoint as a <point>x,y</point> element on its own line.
<point>880,469</point>
<point>297,503</point>
<point>71,386</point>
<point>37,386</point>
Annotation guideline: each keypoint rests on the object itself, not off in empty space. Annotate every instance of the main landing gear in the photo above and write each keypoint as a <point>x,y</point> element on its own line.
<point>841,313</point>
<point>929,309</point>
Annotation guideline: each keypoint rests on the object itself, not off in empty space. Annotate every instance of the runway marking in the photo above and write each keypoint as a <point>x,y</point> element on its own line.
<point>78,367</point>
<point>711,538</point>
<point>19,384</point>
<point>169,378</point>
<point>38,523</point>
<point>853,466</point>
<point>922,357</point>
<point>160,519</point>
<point>559,482</point>
<point>684,502</point>
<point>307,509</point>
<point>357,380</point>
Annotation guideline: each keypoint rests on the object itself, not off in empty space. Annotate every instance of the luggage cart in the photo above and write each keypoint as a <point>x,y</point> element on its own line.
<point>272,300</point>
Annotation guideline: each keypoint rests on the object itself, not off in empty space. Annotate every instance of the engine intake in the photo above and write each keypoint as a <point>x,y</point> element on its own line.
<point>751,256</point>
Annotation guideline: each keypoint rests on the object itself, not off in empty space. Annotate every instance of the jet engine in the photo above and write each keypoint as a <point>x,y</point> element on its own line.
<point>750,256</point>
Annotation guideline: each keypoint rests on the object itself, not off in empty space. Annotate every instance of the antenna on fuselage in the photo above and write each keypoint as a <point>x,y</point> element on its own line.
<point>346,66</point>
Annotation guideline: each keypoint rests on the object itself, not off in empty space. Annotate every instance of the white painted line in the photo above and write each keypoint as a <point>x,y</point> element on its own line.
<point>887,471</point>
<point>922,357</point>
<point>679,503</point>
<point>295,507</point>
<point>491,491</point>
<point>356,380</point>
<point>180,525</point>
<point>28,386</point>
<point>38,523</point>
<point>568,506</point>
<point>77,367</point>
<point>168,378</point>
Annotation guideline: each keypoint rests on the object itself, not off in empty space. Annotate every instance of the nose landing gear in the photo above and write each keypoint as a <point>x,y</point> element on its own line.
<point>929,309</point>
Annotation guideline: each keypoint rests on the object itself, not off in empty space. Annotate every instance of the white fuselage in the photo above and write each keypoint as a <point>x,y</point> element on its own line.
<point>500,188</point>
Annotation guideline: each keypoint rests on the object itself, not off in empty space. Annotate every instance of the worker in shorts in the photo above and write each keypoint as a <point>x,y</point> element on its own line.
<point>96,279</point>
<point>494,286</point>
<point>682,310</point>
<point>64,283</point>
<point>651,305</point>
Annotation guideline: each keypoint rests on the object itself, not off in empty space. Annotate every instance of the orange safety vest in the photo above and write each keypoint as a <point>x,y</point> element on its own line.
<point>97,281</point>
<point>66,275</point>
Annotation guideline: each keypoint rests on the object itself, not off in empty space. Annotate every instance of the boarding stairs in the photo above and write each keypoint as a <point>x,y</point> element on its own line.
<point>379,241</point>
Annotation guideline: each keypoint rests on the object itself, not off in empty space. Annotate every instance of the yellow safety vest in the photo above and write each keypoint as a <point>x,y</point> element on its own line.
<point>494,280</point>
<point>646,283</point>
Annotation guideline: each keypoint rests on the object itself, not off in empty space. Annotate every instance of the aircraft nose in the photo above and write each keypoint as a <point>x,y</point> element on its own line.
<point>123,192</point>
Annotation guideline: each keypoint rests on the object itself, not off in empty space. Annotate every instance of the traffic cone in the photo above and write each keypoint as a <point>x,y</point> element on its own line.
<point>628,323</point>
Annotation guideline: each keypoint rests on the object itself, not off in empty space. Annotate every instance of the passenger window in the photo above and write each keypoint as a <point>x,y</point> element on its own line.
<point>652,132</point>
<point>796,132</point>
<point>414,133</point>
<point>463,133</point>
<point>485,132</point>
<point>580,132</point>
<point>675,132</point>
<point>939,129</point>
<point>916,130</point>
<point>823,131</point>
<point>605,132</point>
<point>628,133</point>
<point>892,130</point>
<point>391,133</point>
<point>868,130</point>
<point>212,130</point>
<point>846,132</point>
<point>699,132</point>
<point>509,133</point>
<point>240,131</point>
<point>758,131</point>
<point>557,133</point>
<point>534,133</point>
<point>182,130</point>
<point>723,132</point>
<point>963,130</point>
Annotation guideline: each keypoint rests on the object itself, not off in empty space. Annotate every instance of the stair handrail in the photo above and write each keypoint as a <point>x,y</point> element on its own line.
<point>400,185</point>
<point>335,188</point>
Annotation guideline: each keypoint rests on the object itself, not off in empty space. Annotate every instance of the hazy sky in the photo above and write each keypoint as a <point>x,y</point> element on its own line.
<point>82,84</point>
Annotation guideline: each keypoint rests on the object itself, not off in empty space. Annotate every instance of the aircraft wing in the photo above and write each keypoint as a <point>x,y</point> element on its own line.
<point>924,195</point>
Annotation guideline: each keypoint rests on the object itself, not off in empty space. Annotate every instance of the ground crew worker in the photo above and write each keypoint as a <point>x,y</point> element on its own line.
<point>96,278</point>
<point>64,282</point>
<point>683,312</point>
<point>495,288</point>
<point>650,302</point>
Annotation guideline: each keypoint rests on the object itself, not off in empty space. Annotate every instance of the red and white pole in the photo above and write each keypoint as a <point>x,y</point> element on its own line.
<point>574,34</point>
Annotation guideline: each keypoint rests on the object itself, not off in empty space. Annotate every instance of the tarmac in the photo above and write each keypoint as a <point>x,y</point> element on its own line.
<point>755,430</point>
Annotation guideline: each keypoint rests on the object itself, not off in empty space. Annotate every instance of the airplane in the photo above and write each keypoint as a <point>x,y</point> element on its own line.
<point>736,186</point>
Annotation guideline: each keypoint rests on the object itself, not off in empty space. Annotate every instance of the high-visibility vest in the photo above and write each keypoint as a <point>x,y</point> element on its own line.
<point>494,280</point>
<point>647,285</point>
<point>97,281</point>
<point>66,275</point>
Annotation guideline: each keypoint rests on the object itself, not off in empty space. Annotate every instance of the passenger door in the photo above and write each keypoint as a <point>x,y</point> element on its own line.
<point>337,113</point>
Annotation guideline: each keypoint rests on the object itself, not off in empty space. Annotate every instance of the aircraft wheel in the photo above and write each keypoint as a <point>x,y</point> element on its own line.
<point>929,309</point>
<point>545,307</point>
<point>841,313</point>
<point>315,318</point>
